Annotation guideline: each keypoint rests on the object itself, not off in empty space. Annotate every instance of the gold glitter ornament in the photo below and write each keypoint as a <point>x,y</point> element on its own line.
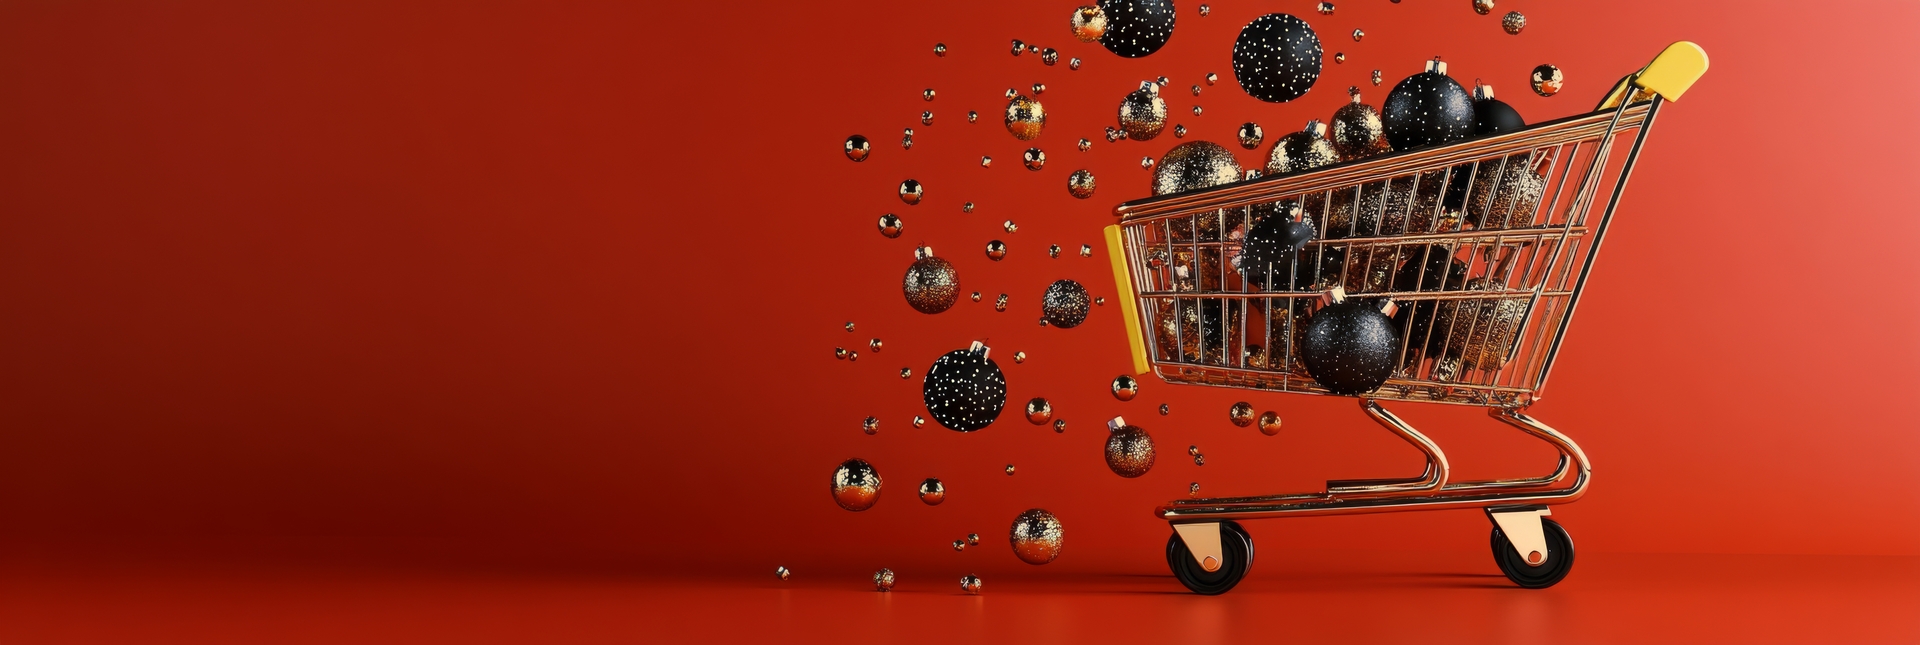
<point>858,147</point>
<point>1115,134</point>
<point>1546,80</point>
<point>1303,150</point>
<point>1129,449</point>
<point>1125,387</point>
<point>1009,470</point>
<point>1403,204</point>
<point>996,249</point>
<point>1505,193</point>
<point>1034,158</point>
<point>1064,304</point>
<point>1049,56</point>
<point>911,191</point>
<point>1199,460</point>
<point>1039,411</point>
<point>1194,165</point>
<point>1269,423</point>
<point>782,573</point>
<point>890,226</point>
<point>849,326</point>
<point>1357,130</point>
<point>1199,334</point>
<point>1325,8</point>
<point>970,584</point>
<point>931,284</point>
<point>883,580</point>
<point>856,485</point>
<point>1251,135</point>
<point>940,49</point>
<point>1480,332</point>
<point>1513,22</point>
<point>1085,145</point>
<point>1036,536</point>
<point>1241,414</point>
<point>1025,118</point>
<point>1018,357</point>
<point>1142,113</point>
<point>871,425</point>
<point>933,492</point>
<point>1080,184</point>
<point>1179,131</point>
<point>1012,93</point>
<point>1483,7</point>
<point>1059,426</point>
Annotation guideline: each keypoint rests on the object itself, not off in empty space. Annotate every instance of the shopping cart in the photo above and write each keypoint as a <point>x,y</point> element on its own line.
<point>1483,245</point>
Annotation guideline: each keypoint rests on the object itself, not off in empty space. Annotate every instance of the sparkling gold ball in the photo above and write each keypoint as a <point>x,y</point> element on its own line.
<point>1241,414</point>
<point>1301,151</point>
<point>1019,47</point>
<point>1025,117</point>
<point>1357,131</point>
<point>1483,333</point>
<point>971,584</point>
<point>1251,135</point>
<point>1513,22</point>
<point>1142,113</point>
<point>1034,158</point>
<point>1505,193</point>
<point>1546,80</point>
<point>782,573</point>
<point>1049,56</point>
<point>959,545</point>
<point>911,191</point>
<point>1080,184</point>
<point>931,284</point>
<point>856,485</point>
<point>1196,90</point>
<point>933,492</point>
<point>871,425</point>
<point>891,226</point>
<point>1179,131</point>
<point>996,249</point>
<point>883,580</point>
<point>1129,450</point>
<point>906,141</point>
<point>858,147</point>
<point>1125,387</point>
<point>1270,423</point>
<point>840,353</point>
<point>1012,93</point>
<point>973,539</point>
<point>1053,251</point>
<point>1483,7</point>
<point>972,116</point>
<point>1325,8</point>
<point>1059,426</point>
<point>1036,536</point>
<point>1009,470</point>
<point>1039,411</point>
<point>940,49</point>
<point>1194,165</point>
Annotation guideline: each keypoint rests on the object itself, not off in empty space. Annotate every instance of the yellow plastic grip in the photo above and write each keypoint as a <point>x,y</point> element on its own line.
<point>1129,310</point>
<point>1674,70</point>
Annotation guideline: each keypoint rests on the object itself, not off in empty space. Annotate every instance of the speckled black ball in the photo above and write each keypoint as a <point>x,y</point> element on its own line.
<point>1276,58</point>
<point>1272,248</point>
<point>1426,109</point>
<point>1136,28</point>
<point>1065,304</point>
<point>965,390</point>
<point>1350,346</point>
<point>1494,116</point>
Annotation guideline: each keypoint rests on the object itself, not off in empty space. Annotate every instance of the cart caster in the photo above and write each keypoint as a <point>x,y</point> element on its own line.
<point>1558,559</point>
<point>1236,558</point>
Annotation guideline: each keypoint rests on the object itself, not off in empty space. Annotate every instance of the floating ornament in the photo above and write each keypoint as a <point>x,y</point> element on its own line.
<point>1164,410</point>
<point>858,147</point>
<point>1033,49</point>
<point>1039,411</point>
<point>1270,423</point>
<point>1049,56</point>
<point>840,353</point>
<point>1136,28</point>
<point>986,161</point>
<point>1339,57</point>
<point>1125,387</point>
<point>926,118</point>
<point>964,389</point>
<point>1194,165</point>
<point>782,573</point>
<point>1193,451</point>
<point>1199,460</point>
<point>933,492</point>
<point>1200,332</point>
<point>871,425</point>
<point>1513,22</point>
<point>891,226</point>
<point>940,49</point>
<point>1251,135</point>
<point>976,296</point>
<point>972,116</point>
<point>1086,250</point>
<point>1303,150</point>
<point>1000,304</point>
<point>1085,145</point>
<point>1357,130</point>
<point>1376,77</point>
<point>906,140</point>
<point>1053,251</point>
<point>1129,449</point>
<point>1065,303</point>
<point>1196,90</point>
<point>1482,333</point>
<point>1010,226</point>
<point>931,284</point>
<point>1546,80</point>
<point>849,326</point>
<point>1142,113</point>
<point>1493,116</point>
<point>996,249</point>
<point>1241,414</point>
<point>1018,357</point>
<point>1080,184</point>
<point>1073,63</point>
<point>911,191</point>
<point>1025,117</point>
<point>1019,47</point>
<point>1483,7</point>
<point>883,580</point>
<point>1350,344</point>
<point>960,545</point>
<point>874,345</point>
<point>1038,88</point>
<point>918,420</point>
<point>1115,134</point>
<point>1059,426</point>
<point>927,94</point>
<point>853,356</point>
<point>1179,131</point>
<point>1196,110</point>
<point>973,539</point>
<point>1034,158</point>
<point>1036,536</point>
<point>856,485</point>
<point>1162,81</point>
<point>1009,470</point>
<point>970,584</point>
<point>1358,34</point>
<point>967,207</point>
<point>1427,109</point>
<point>1277,58</point>
<point>1204,10</point>
<point>1193,489</point>
<point>907,372</point>
<point>1146,163</point>
<point>1212,78</point>
<point>1325,8</point>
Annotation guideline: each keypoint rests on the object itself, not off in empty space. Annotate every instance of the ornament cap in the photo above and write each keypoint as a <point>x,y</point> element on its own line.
<point>1251,173</point>
<point>980,348</point>
<point>1388,307</point>
<point>1482,92</point>
<point>1317,128</point>
<point>923,252</point>
<point>907,131</point>
<point>1115,424</point>
<point>1353,93</point>
<point>1436,66</point>
<point>1150,87</point>
<point>1333,296</point>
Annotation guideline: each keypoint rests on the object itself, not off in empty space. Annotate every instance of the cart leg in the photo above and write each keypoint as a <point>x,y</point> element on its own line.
<point>1432,479</point>
<point>1521,525</point>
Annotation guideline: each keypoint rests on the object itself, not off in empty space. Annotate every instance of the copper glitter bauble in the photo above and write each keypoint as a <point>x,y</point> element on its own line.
<point>964,389</point>
<point>911,191</point>
<point>1080,184</point>
<point>1125,387</point>
<point>1064,304</point>
<point>1241,414</point>
<point>1513,22</point>
<point>891,226</point>
<point>933,492</point>
<point>1303,150</point>
<point>1059,426</point>
<point>858,147</point>
<point>1546,80</point>
<point>856,485</point>
<point>996,249</point>
<point>967,207</point>
<point>976,298</point>
<point>1505,193</point>
<point>1129,449</point>
<point>871,425</point>
<point>1142,113</point>
<point>1034,158</point>
<point>874,345</point>
<point>883,580</point>
<point>1088,24</point>
<point>1270,423</point>
<point>781,573</point>
<point>1000,303</point>
<point>1251,135</point>
<point>1357,131</point>
<point>1199,334</point>
<point>1480,331</point>
<point>1199,460</point>
<point>1085,145</point>
<point>940,49</point>
<point>1039,411</point>
<point>970,584</point>
<point>1049,56</point>
<point>931,284</point>
<point>1194,165</point>
<point>1276,58</point>
<point>927,94</point>
<point>1036,536</point>
<point>1025,117</point>
<point>1325,8</point>
<point>1483,7</point>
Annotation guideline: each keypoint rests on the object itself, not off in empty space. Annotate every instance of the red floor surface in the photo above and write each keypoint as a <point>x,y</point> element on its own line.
<point>1347,597</point>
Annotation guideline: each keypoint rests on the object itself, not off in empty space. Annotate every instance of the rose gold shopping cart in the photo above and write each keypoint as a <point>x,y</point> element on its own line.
<point>1484,245</point>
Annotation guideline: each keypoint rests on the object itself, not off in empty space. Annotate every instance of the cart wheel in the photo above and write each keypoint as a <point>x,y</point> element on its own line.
<point>1559,545</point>
<point>1235,547</point>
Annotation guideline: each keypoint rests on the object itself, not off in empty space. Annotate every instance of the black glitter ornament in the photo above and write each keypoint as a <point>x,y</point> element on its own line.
<point>1427,109</point>
<point>931,285</point>
<point>1136,28</point>
<point>1064,305</point>
<point>964,389</point>
<point>1350,345</point>
<point>1491,115</point>
<point>1269,255</point>
<point>1276,58</point>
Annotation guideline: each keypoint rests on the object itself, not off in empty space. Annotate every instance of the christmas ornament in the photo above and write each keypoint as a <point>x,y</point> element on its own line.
<point>1303,150</point>
<point>1086,251</point>
<point>1430,269</point>
<point>1033,49</point>
<point>858,147</point>
<point>1089,23</point>
<point>973,539</point>
<point>1080,184</point>
<point>1039,88</point>
<point>1009,470</point>
<point>1036,536</point>
<point>1270,250</point>
<point>1276,58</point>
<point>890,225</point>
<point>972,116</point>
<point>1339,57</point>
<point>1204,10</point>
<point>1136,28</point>
<point>1350,345</point>
<point>940,49</point>
<point>1049,56</point>
<point>911,191</point>
<point>883,580</point>
<point>1241,414</point>
<point>1480,332</point>
<point>906,141</point>
<point>1039,411</point>
<point>1546,80</point>
<point>1201,330</point>
<point>1129,449</point>
<point>1074,63</point>
<point>1018,47</point>
<point>1193,451</point>
<point>1053,251</point>
<point>1194,165</point>
<point>906,372</point>
<point>1269,423</point>
<point>1357,130</point>
<point>1505,193</point>
<point>1196,110</point>
<point>1403,204</point>
<point>927,94</point>
<point>1000,304</point>
<point>1064,304</point>
<point>1357,35</point>
<point>1427,109</point>
<point>1208,268</point>
<point>926,118</point>
<point>1025,117</point>
<point>853,356</point>
<point>1164,409</point>
<point>1179,131</point>
<point>781,573</point>
<point>960,545</point>
<point>1251,135</point>
<point>971,584</point>
<point>1513,22</point>
<point>874,345</point>
<point>1085,145</point>
<point>996,250</point>
<point>849,326</point>
<point>918,420</point>
<point>1125,387</point>
<point>1483,7</point>
<point>1199,460</point>
<point>1193,489</point>
<point>856,485</point>
<point>1491,115</point>
<point>933,492</point>
<point>1196,90</point>
<point>1143,113</point>
<point>1376,77</point>
<point>871,425</point>
<point>931,285</point>
<point>967,207</point>
<point>1325,8</point>
<point>986,161</point>
<point>1018,357</point>
<point>1059,426</point>
<point>964,389</point>
<point>1034,158</point>
<point>840,353</point>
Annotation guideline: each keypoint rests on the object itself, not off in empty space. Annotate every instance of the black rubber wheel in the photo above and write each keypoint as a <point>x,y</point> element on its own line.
<point>1236,548</point>
<point>1559,560</point>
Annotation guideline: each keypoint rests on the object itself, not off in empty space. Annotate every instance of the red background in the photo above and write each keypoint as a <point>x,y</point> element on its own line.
<point>561,281</point>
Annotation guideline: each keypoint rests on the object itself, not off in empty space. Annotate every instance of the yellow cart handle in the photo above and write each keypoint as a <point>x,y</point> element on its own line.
<point>1669,75</point>
<point>1129,309</point>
